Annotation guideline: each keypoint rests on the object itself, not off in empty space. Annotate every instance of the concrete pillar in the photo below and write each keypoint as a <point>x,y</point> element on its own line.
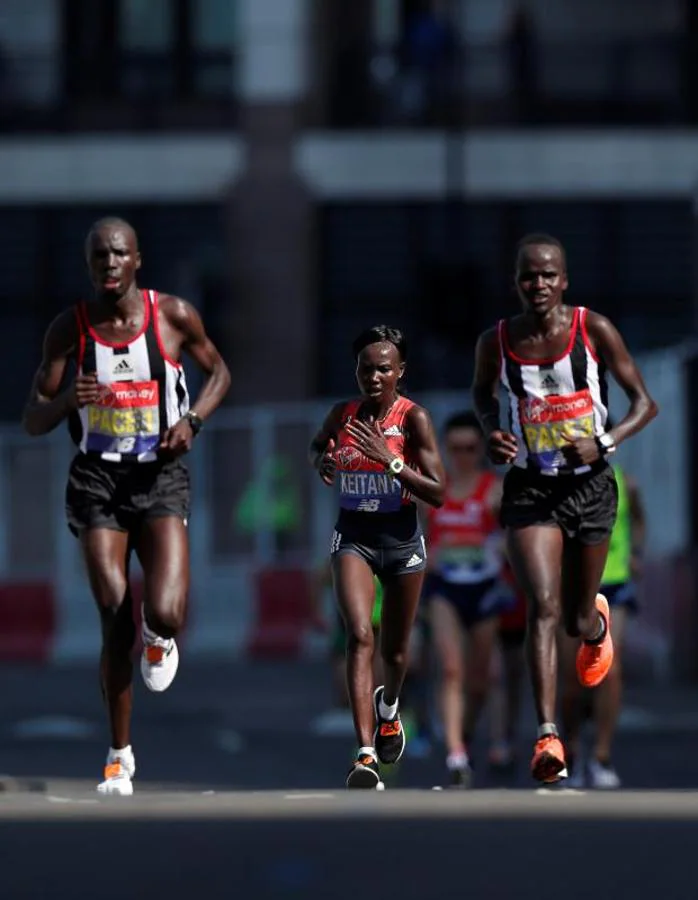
<point>271,322</point>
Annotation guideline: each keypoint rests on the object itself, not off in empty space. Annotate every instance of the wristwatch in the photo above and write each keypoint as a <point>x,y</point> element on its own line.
<point>396,465</point>
<point>196,422</point>
<point>606,444</point>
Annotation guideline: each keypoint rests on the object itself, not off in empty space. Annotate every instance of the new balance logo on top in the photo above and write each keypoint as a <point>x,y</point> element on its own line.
<point>414,560</point>
<point>123,368</point>
<point>393,431</point>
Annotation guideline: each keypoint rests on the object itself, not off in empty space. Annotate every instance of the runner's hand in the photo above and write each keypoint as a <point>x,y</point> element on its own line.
<point>581,451</point>
<point>178,440</point>
<point>370,441</point>
<point>327,464</point>
<point>502,447</point>
<point>86,389</point>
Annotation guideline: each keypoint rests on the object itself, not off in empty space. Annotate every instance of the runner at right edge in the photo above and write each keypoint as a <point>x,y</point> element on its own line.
<point>560,494</point>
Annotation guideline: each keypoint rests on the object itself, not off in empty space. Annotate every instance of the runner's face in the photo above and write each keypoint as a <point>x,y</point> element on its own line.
<point>541,278</point>
<point>465,450</point>
<point>113,260</point>
<point>378,370</point>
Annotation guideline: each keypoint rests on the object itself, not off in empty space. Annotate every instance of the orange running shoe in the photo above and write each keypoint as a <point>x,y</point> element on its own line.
<point>548,764</point>
<point>594,660</point>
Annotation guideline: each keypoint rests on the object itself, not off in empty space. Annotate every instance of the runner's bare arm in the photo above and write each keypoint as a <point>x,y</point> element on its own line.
<point>326,437</point>
<point>322,445</point>
<point>47,406</point>
<point>428,480</point>
<point>486,381</point>
<point>502,446</point>
<point>196,343</point>
<point>610,346</point>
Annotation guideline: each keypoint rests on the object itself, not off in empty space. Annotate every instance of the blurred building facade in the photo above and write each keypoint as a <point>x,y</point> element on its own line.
<point>301,169</point>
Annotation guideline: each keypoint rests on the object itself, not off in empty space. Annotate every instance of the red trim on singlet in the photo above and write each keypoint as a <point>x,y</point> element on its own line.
<point>546,361</point>
<point>158,336</point>
<point>585,335</point>
<point>487,479</point>
<point>81,338</point>
<point>98,340</point>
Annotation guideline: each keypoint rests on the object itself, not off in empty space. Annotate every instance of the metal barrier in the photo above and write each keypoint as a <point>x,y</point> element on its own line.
<point>257,506</point>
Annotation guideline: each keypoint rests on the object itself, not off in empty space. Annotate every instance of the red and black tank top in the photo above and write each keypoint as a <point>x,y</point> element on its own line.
<point>364,485</point>
<point>463,536</point>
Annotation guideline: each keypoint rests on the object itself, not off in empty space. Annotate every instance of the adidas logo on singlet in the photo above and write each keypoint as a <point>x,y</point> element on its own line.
<point>549,383</point>
<point>123,368</point>
<point>393,431</point>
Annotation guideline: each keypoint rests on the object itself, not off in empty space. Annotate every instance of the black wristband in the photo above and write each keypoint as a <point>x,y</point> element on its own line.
<point>196,422</point>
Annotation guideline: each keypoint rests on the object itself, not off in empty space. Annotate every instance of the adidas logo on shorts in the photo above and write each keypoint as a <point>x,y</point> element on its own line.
<point>414,560</point>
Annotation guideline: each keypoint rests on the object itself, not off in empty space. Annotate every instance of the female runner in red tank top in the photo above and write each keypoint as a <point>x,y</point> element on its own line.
<point>382,452</point>
<point>463,591</point>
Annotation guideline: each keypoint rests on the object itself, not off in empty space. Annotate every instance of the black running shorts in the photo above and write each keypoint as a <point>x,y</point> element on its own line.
<point>582,506</point>
<point>120,496</point>
<point>385,561</point>
<point>473,603</point>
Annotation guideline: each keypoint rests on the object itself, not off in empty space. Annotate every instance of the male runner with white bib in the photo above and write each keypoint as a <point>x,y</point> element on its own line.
<point>128,489</point>
<point>560,495</point>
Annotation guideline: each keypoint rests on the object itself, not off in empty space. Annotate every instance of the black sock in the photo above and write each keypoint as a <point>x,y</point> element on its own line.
<point>593,642</point>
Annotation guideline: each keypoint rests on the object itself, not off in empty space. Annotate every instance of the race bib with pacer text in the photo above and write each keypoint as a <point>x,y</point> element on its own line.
<point>547,421</point>
<point>125,418</point>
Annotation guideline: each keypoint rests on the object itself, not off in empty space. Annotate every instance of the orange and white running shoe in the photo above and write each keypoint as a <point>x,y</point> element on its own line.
<point>118,772</point>
<point>159,660</point>
<point>594,660</point>
<point>548,764</point>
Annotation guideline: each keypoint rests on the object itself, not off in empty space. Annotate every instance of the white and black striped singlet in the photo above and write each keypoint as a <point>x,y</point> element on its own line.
<point>145,391</point>
<point>549,398</point>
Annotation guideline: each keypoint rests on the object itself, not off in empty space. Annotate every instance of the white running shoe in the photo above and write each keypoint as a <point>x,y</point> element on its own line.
<point>118,772</point>
<point>159,660</point>
<point>603,777</point>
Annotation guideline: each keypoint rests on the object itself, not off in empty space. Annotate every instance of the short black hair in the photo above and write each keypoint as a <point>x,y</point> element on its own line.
<point>538,239</point>
<point>380,334</point>
<point>463,419</point>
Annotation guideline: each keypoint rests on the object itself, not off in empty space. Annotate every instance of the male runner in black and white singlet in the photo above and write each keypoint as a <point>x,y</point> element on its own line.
<point>128,489</point>
<point>560,495</point>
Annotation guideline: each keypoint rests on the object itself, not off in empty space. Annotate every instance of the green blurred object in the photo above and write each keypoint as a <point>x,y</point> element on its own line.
<point>271,500</point>
<point>377,605</point>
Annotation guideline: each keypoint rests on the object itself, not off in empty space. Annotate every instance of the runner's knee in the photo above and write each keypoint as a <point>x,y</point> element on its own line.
<point>544,608</point>
<point>110,592</point>
<point>395,657</point>
<point>451,667</point>
<point>360,636</point>
<point>166,617</point>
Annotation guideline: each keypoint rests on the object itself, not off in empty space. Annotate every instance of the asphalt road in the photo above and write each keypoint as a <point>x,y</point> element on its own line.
<point>237,796</point>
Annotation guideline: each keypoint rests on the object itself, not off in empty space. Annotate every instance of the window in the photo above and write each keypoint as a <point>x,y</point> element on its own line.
<point>146,25</point>
<point>214,24</point>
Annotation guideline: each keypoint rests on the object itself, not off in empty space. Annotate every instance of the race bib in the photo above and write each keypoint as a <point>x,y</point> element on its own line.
<point>125,418</point>
<point>461,557</point>
<point>369,492</point>
<point>546,421</point>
